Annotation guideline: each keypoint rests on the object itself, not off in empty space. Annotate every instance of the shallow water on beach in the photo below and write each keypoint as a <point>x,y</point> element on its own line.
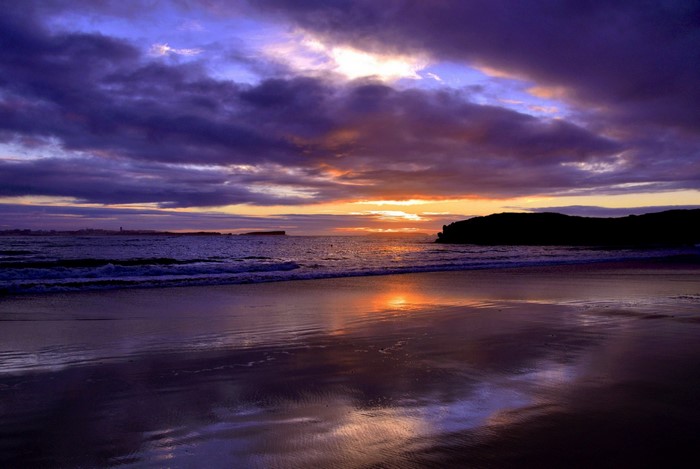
<point>79,263</point>
<point>529,367</point>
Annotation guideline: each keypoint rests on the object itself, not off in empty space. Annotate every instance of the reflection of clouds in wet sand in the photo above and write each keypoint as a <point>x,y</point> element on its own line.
<point>221,416</point>
<point>403,370</point>
<point>353,428</point>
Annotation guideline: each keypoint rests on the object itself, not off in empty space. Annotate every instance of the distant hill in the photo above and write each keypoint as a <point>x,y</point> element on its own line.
<point>96,232</point>
<point>675,227</point>
<point>264,233</point>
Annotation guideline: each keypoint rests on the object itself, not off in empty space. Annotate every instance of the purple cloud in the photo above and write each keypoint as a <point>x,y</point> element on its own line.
<point>132,128</point>
<point>639,61</point>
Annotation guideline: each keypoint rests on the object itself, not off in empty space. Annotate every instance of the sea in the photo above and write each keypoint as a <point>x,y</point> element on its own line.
<point>32,264</point>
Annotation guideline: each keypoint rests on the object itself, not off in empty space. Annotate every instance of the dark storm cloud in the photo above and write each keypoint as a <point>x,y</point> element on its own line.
<point>131,126</point>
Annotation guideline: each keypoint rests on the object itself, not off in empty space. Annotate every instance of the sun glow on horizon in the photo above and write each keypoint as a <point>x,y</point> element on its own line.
<point>339,218</point>
<point>395,202</point>
<point>370,230</point>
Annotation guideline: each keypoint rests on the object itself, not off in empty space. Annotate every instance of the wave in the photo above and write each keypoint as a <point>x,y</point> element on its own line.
<point>153,274</point>
<point>263,273</point>
<point>182,261</point>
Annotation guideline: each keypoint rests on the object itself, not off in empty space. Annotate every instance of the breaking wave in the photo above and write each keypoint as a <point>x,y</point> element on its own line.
<point>85,263</point>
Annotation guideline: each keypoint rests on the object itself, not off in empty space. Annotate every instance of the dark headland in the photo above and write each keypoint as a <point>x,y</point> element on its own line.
<point>264,233</point>
<point>674,227</point>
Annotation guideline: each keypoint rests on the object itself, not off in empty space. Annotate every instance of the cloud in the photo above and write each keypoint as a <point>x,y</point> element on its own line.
<point>395,215</point>
<point>191,26</point>
<point>634,62</point>
<point>165,49</point>
<point>109,124</point>
<point>358,64</point>
<point>95,180</point>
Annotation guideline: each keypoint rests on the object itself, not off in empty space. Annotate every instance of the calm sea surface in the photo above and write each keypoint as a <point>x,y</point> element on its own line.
<point>62,263</point>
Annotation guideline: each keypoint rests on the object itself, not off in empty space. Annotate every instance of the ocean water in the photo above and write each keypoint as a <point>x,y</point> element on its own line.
<point>71,263</point>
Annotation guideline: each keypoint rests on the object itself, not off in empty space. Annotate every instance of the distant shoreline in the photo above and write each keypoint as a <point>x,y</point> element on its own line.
<point>94,232</point>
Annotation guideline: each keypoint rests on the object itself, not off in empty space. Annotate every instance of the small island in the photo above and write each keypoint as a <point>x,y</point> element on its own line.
<point>672,227</point>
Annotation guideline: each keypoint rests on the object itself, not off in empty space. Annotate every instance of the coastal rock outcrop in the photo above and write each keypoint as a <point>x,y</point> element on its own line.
<point>676,227</point>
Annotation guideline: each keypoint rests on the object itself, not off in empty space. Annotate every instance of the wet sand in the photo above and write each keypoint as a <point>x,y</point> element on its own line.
<point>574,366</point>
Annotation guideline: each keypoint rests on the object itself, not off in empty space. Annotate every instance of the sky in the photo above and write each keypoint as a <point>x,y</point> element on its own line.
<point>345,116</point>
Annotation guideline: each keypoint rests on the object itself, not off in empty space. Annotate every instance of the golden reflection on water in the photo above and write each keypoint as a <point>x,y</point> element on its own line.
<point>399,301</point>
<point>404,293</point>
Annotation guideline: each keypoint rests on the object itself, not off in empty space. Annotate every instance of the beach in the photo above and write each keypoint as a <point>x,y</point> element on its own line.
<point>548,366</point>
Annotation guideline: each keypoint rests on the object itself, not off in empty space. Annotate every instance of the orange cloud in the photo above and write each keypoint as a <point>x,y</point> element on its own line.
<point>548,92</point>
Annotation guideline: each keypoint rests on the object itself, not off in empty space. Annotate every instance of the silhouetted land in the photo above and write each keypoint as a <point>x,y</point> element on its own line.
<point>676,227</point>
<point>264,233</point>
<point>95,232</point>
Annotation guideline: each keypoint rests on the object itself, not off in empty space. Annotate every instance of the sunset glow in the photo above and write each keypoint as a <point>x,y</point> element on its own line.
<point>224,116</point>
<point>357,64</point>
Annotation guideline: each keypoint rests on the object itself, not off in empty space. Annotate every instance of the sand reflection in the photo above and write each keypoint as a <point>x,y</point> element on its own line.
<point>357,427</point>
<point>355,373</point>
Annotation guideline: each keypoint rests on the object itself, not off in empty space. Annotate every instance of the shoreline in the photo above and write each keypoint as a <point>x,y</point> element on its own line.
<point>632,267</point>
<point>676,261</point>
<point>587,364</point>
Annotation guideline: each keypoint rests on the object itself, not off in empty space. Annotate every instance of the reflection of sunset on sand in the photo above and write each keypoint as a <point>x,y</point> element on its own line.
<point>419,369</point>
